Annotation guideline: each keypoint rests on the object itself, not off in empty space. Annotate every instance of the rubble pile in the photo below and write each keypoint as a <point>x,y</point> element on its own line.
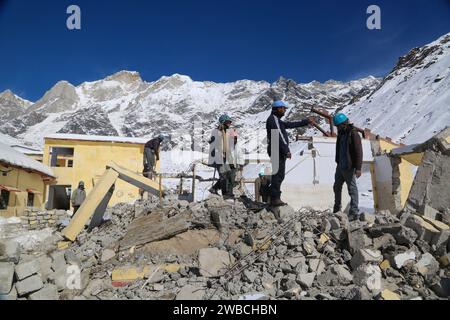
<point>217,249</point>
<point>36,219</point>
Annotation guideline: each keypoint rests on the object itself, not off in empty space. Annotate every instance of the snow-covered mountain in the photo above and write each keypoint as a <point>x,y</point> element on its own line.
<point>412,103</point>
<point>12,106</point>
<point>124,104</point>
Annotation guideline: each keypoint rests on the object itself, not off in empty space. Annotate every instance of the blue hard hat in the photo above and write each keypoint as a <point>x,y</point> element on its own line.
<point>279,104</point>
<point>223,118</point>
<point>339,118</point>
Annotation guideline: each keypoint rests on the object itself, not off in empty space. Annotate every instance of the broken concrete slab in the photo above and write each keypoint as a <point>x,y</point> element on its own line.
<point>58,261</point>
<point>380,230</point>
<point>9,251</point>
<point>343,274</point>
<point>6,277</point>
<point>366,256</point>
<point>425,230</point>
<point>316,265</point>
<point>107,255</point>
<point>306,280</point>
<point>356,240</point>
<point>11,296</point>
<point>28,285</point>
<point>25,269</point>
<point>213,261</point>
<point>45,267</point>
<point>48,292</point>
<point>190,292</point>
<point>250,276</point>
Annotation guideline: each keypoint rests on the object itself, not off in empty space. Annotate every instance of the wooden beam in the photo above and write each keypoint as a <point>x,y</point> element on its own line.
<point>90,205</point>
<point>153,227</point>
<point>135,179</point>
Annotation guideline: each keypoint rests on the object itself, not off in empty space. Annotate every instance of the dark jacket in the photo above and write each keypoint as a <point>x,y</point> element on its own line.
<point>354,148</point>
<point>274,122</point>
<point>154,145</point>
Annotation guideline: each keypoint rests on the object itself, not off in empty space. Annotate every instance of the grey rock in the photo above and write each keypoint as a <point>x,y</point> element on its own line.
<point>378,231</point>
<point>335,224</point>
<point>9,251</point>
<point>212,261</point>
<point>316,265</point>
<point>250,276</point>
<point>365,256</point>
<point>368,275</point>
<point>45,267</point>
<point>25,269</point>
<point>72,259</point>
<point>384,241</point>
<point>30,284</point>
<point>48,292</point>
<point>6,277</point>
<point>306,280</point>
<point>190,292</point>
<point>343,274</point>
<point>356,240</point>
<point>427,266</point>
<point>406,236</point>
<point>59,261</point>
<point>107,254</point>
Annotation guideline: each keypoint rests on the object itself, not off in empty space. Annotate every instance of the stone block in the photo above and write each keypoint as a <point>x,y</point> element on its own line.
<point>29,285</point>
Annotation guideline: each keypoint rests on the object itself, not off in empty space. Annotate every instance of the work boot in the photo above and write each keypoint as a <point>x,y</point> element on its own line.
<point>336,209</point>
<point>213,191</point>
<point>277,203</point>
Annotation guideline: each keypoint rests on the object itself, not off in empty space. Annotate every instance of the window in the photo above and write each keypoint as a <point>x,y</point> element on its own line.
<point>4,199</point>
<point>30,199</point>
<point>61,157</point>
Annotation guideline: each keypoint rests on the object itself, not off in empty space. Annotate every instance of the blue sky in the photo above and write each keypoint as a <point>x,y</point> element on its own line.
<point>209,40</point>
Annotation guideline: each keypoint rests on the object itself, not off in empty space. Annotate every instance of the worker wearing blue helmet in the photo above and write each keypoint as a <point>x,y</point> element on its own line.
<point>349,156</point>
<point>278,147</point>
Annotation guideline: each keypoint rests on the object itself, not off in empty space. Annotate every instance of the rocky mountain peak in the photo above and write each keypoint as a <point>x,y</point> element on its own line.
<point>125,77</point>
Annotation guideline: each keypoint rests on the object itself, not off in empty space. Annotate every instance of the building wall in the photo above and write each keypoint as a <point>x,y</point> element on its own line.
<point>403,175</point>
<point>21,180</point>
<point>89,162</point>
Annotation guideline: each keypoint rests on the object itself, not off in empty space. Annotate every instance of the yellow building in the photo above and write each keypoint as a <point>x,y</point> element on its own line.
<point>75,158</point>
<point>23,182</point>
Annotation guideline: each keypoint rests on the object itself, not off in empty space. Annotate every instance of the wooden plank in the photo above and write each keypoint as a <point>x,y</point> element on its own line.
<point>135,179</point>
<point>153,227</point>
<point>92,202</point>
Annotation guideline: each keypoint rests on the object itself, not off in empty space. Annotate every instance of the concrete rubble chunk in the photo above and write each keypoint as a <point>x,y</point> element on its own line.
<point>378,231</point>
<point>442,239</point>
<point>425,230</point>
<point>356,240</point>
<point>427,265</point>
<point>383,241</point>
<point>190,292</point>
<point>406,236</point>
<point>11,296</point>
<point>25,269</point>
<point>365,256</point>
<point>107,255</point>
<point>58,261</point>
<point>213,261</point>
<point>387,294</point>
<point>48,292</point>
<point>6,277</point>
<point>306,280</point>
<point>31,284</point>
<point>250,276</point>
<point>343,274</point>
<point>72,258</point>
<point>368,275</point>
<point>402,258</point>
<point>45,267</point>
<point>9,251</point>
<point>317,266</point>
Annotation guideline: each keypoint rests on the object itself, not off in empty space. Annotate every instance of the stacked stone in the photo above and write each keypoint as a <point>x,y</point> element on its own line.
<point>36,219</point>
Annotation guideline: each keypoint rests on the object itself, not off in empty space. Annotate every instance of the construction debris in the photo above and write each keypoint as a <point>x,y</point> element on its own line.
<point>216,249</point>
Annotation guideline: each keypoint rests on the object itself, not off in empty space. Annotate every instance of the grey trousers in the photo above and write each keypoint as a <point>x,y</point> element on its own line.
<point>149,159</point>
<point>347,176</point>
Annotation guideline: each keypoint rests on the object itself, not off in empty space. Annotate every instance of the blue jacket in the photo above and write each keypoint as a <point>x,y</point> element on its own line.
<point>275,123</point>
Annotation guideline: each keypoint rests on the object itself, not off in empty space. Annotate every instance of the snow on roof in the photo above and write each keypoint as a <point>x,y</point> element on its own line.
<point>64,136</point>
<point>27,150</point>
<point>14,158</point>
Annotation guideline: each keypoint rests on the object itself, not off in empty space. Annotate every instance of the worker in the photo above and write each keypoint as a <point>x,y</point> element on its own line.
<point>276,128</point>
<point>349,155</point>
<point>151,155</point>
<point>262,185</point>
<point>222,157</point>
<point>78,197</point>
